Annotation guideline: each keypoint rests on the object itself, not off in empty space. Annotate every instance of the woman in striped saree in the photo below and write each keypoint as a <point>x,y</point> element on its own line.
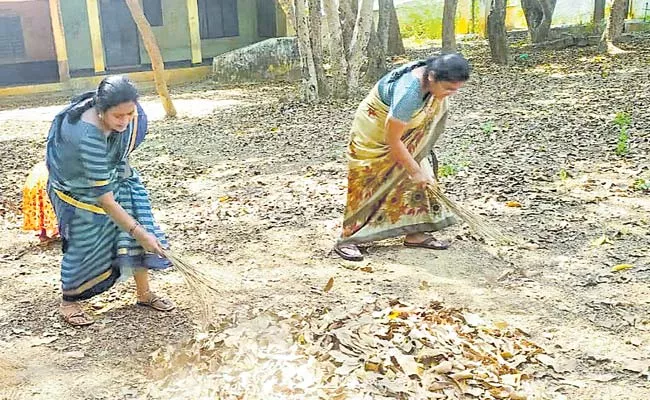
<point>103,210</point>
<point>393,133</point>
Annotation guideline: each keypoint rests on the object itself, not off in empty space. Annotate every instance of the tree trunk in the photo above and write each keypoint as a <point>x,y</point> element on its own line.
<point>449,26</point>
<point>378,44</point>
<point>309,77</point>
<point>338,58</point>
<point>348,19</point>
<point>599,12</point>
<point>359,43</point>
<point>384,23</point>
<point>376,57</point>
<point>539,15</point>
<point>316,37</point>
<point>395,43</point>
<point>614,28</point>
<point>154,54</point>
<point>287,8</point>
<point>496,27</point>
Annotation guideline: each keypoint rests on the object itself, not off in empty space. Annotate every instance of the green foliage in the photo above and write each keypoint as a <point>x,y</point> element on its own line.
<point>623,121</point>
<point>564,175</point>
<point>447,170</point>
<point>421,23</point>
<point>641,185</point>
<point>487,127</point>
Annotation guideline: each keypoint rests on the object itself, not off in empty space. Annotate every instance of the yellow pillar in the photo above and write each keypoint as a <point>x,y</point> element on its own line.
<point>96,35</point>
<point>195,33</point>
<point>59,40</point>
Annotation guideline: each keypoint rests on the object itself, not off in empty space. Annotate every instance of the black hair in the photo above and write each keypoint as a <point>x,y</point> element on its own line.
<point>112,91</point>
<point>451,67</point>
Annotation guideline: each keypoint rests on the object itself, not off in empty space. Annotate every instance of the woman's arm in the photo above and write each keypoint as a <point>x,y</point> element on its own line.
<point>394,131</point>
<point>129,224</point>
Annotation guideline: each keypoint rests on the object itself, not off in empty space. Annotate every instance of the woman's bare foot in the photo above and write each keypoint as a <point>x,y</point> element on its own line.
<point>73,314</point>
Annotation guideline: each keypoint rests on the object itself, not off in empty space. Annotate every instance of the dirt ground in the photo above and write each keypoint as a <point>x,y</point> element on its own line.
<point>250,184</point>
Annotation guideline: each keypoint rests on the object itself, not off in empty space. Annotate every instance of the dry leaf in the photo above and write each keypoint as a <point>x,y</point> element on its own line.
<point>473,320</point>
<point>546,360</point>
<point>514,204</point>
<point>640,366</point>
<point>444,367</point>
<point>604,378</point>
<point>601,241</point>
<point>42,341</point>
<point>501,325</point>
<point>622,267</point>
<point>366,269</point>
<point>329,285</point>
<point>371,366</point>
<point>407,363</point>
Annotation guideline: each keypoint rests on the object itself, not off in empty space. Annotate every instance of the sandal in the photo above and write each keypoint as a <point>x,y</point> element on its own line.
<point>348,252</point>
<point>74,315</point>
<point>157,303</point>
<point>429,243</point>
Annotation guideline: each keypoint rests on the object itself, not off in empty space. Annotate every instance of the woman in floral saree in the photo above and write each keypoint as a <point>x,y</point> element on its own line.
<point>393,133</point>
<point>102,208</point>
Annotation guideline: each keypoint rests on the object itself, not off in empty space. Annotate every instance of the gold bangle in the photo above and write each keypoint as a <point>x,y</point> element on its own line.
<point>133,228</point>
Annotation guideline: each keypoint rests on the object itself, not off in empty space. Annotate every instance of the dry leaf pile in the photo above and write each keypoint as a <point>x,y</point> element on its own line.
<point>377,350</point>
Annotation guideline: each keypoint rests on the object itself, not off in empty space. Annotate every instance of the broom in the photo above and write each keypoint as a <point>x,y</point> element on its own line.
<point>475,222</point>
<point>201,284</point>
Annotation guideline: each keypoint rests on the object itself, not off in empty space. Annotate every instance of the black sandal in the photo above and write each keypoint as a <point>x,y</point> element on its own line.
<point>348,252</point>
<point>429,243</point>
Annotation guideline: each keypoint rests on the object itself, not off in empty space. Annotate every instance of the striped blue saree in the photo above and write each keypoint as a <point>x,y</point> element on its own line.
<point>84,164</point>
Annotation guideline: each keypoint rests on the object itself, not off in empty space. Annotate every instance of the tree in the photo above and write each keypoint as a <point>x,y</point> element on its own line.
<point>496,27</point>
<point>599,12</point>
<point>347,58</point>
<point>395,43</point>
<point>614,27</point>
<point>359,43</point>
<point>348,11</point>
<point>287,8</point>
<point>379,39</point>
<point>449,26</point>
<point>309,77</point>
<point>316,38</point>
<point>338,59</point>
<point>157,65</point>
<point>539,15</point>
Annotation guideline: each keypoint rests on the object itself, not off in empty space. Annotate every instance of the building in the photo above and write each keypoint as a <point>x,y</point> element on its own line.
<point>47,41</point>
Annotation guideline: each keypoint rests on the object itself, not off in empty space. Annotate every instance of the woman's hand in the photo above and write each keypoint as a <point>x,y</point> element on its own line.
<point>423,179</point>
<point>148,241</point>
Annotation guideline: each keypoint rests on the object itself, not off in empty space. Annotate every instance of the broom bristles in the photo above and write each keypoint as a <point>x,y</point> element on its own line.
<point>201,284</point>
<point>475,222</point>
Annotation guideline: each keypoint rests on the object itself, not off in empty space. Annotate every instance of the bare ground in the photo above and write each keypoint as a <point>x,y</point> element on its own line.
<point>251,185</point>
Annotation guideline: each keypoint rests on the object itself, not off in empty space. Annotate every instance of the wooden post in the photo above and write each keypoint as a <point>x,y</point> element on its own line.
<point>195,33</point>
<point>59,40</point>
<point>96,35</point>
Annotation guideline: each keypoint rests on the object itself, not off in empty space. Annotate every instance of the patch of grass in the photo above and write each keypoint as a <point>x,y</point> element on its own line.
<point>623,121</point>
<point>487,127</point>
<point>641,185</point>
<point>564,175</point>
<point>447,170</point>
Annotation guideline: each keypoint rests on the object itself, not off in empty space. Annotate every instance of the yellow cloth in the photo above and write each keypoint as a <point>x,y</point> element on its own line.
<point>38,214</point>
<point>382,201</point>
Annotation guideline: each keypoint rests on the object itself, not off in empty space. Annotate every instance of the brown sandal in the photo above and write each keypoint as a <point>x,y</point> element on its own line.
<point>157,303</point>
<point>429,243</point>
<point>74,315</point>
